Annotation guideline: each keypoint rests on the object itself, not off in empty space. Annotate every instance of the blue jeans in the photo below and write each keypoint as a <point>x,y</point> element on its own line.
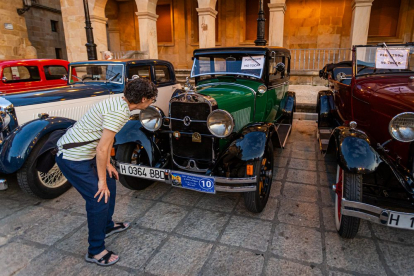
<point>84,177</point>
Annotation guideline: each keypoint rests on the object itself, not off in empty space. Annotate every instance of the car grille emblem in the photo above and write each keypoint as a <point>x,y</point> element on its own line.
<point>187,121</point>
<point>177,135</point>
<point>196,137</point>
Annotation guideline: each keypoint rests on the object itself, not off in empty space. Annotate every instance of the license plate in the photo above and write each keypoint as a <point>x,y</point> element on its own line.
<point>401,220</point>
<point>142,172</point>
<point>193,182</point>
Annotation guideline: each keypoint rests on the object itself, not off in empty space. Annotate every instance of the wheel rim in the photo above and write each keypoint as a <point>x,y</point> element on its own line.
<point>137,157</point>
<point>52,179</point>
<point>266,175</point>
<point>338,197</point>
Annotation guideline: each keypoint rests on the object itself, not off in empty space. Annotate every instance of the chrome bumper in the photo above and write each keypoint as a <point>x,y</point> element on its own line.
<point>368,212</point>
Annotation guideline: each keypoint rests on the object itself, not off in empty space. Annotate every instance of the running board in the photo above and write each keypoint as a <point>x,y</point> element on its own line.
<point>323,138</point>
<point>283,131</point>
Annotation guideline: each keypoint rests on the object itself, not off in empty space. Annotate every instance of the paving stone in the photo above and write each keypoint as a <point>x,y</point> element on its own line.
<point>287,268</point>
<point>52,229</point>
<point>303,146</point>
<point>136,246</point>
<point>304,155</point>
<point>229,261</point>
<point>248,233</point>
<point>163,216</point>
<point>301,192</point>
<point>3,241</point>
<point>309,165</point>
<point>182,197</point>
<point>130,208</point>
<point>327,179</point>
<point>16,255</point>
<point>9,207</point>
<point>302,176</point>
<point>154,192</point>
<point>278,173</point>
<point>77,242</point>
<point>22,220</point>
<point>275,189</point>
<point>299,213</point>
<point>399,258</point>
<point>224,202</point>
<point>93,270</point>
<point>326,166</point>
<point>280,162</point>
<point>122,190</point>
<point>393,234</point>
<point>179,256</point>
<point>329,222</point>
<point>338,273</point>
<point>281,152</point>
<point>299,243</point>
<point>69,201</point>
<point>328,196</point>
<point>268,213</point>
<point>203,224</point>
<point>358,254</point>
<point>53,262</point>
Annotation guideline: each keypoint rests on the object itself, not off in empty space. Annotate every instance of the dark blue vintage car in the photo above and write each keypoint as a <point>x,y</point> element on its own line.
<point>28,118</point>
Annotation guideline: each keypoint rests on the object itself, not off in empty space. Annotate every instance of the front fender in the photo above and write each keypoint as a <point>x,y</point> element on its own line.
<point>354,152</point>
<point>325,106</point>
<point>17,147</point>
<point>133,132</point>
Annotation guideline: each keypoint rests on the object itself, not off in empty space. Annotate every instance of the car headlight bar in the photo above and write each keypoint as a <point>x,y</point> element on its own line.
<point>220,123</point>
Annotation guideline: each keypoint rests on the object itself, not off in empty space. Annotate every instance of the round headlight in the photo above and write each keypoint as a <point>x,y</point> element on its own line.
<point>401,127</point>
<point>220,123</point>
<point>262,89</point>
<point>151,118</point>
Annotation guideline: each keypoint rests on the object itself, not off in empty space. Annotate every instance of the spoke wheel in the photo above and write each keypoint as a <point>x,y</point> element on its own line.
<point>256,201</point>
<point>348,186</point>
<point>53,179</point>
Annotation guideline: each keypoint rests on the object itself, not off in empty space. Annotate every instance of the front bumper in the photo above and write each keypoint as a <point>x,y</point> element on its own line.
<point>222,184</point>
<point>376,214</point>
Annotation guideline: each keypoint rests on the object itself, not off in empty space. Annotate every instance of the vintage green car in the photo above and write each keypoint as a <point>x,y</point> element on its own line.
<point>218,135</point>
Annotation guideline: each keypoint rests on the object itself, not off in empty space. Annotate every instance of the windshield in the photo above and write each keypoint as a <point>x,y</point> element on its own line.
<point>385,60</point>
<point>96,73</point>
<point>229,64</point>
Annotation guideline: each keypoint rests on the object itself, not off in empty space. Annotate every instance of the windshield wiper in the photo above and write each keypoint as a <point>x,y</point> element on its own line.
<point>254,60</point>
<point>111,79</point>
<point>386,48</point>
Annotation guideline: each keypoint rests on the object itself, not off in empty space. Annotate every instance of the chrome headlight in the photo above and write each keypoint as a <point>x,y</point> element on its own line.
<point>262,89</point>
<point>151,118</point>
<point>220,123</point>
<point>401,127</point>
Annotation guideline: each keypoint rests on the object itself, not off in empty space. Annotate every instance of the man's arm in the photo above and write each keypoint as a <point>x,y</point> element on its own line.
<point>102,156</point>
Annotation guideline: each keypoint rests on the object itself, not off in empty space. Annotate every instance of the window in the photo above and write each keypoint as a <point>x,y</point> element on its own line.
<point>162,74</point>
<point>140,71</point>
<point>278,62</point>
<point>21,74</point>
<point>58,52</point>
<point>54,25</point>
<point>252,13</point>
<point>164,23</point>
<point>384,18</point>
<point>54,72</point>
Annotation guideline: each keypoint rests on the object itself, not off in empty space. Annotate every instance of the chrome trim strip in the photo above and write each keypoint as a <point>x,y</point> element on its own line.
<point>226,83</point>
<point>228,180</point>
<point>228,189</point>
<point>192,121</point>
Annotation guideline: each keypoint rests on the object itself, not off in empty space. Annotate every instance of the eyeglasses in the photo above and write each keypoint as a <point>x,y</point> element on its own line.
<point>154,100</point>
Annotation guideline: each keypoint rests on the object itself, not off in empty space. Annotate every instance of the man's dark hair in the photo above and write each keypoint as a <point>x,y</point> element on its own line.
<point>140,88</point>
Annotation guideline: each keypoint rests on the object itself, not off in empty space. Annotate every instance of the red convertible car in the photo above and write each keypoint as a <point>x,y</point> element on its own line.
<point>366,119</point>
<point>32,74</point>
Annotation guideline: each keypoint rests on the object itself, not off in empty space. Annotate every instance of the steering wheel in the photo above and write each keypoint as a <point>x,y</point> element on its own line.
<point>86,77</point>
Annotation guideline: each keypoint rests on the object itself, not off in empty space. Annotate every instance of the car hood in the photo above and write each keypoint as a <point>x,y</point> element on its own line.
<point>70,92</point>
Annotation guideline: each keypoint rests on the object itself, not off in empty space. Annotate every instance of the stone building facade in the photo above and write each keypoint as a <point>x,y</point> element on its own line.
<point>14,39</point>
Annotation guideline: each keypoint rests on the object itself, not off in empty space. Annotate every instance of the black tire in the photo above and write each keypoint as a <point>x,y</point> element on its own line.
<point>347,226</point>
<point>47,186</point>
<point>124,154</point>
<point>256,201</point>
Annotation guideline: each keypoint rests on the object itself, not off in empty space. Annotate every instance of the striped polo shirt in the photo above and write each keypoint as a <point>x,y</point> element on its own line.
<point>112,114</point>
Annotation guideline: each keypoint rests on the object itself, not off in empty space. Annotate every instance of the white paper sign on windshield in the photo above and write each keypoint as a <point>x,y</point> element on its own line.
<point>392,58</point>
<point>253,62</point>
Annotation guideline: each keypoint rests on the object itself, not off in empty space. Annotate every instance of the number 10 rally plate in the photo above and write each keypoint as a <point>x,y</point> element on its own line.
<point>193,182</point>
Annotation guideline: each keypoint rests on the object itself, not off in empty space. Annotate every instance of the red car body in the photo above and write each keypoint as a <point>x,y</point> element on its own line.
<point>32,74</point>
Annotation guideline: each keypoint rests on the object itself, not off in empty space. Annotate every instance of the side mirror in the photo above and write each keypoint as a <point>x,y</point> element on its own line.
<point>4,79</point>
<point>280,67</point>
<point>65,78</point>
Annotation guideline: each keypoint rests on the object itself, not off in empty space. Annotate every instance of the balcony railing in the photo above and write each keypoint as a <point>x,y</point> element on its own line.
<point>315,59</point>
<point>127,55</point>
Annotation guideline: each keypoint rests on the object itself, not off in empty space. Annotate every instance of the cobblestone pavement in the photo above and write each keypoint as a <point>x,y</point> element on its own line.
<point>180,232</point>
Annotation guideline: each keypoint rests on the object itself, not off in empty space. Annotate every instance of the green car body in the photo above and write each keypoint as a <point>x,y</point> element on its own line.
<point>221,131</point>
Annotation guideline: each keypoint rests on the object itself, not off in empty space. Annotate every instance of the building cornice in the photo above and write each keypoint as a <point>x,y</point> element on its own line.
<point>274,7</point>
<point>207,11</point>
<point>147,15</point>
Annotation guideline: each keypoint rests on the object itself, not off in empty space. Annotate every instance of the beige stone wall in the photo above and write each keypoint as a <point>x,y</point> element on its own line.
<point>39,28</point>
<point>14,44</point>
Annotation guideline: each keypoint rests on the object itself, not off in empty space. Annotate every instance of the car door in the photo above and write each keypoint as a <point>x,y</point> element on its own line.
<point>54,75</point>
<point>277,87</point>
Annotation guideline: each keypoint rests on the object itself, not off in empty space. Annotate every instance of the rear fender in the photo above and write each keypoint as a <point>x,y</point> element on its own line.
<point>353,151</point>
<point>290,104</point>
<point>17,147</point>
<point>325,106</point>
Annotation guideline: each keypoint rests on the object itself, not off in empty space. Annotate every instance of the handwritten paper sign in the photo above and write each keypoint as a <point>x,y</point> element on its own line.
<point>254,62</point>
<point>392,58</point>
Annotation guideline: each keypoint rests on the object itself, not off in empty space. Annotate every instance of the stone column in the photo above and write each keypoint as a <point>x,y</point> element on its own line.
<point>207,23</point>
<point>114,38</point>
<point>361,11</point>
<point>99,34</point>
<point>147,22</point>
<point>277,22</point>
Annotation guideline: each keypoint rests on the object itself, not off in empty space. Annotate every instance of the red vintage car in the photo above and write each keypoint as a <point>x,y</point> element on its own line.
<point>366,119</point>
<point>32,74</point>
